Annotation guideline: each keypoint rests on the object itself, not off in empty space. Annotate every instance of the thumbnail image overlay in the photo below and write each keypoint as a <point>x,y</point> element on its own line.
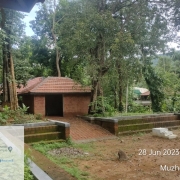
<point>12,152</point>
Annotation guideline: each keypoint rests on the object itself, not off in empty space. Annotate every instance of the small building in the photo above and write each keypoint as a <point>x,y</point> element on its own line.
<point>141,96</point>
<point>55,96</point>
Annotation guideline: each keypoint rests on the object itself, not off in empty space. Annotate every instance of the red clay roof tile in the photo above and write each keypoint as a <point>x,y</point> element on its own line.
<point>146,93</point>
<point>53,85</point>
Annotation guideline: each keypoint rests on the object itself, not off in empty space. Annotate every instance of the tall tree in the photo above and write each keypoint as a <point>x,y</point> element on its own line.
<point>45,26</point>
<point>12,27</point>
<point>94,37</point>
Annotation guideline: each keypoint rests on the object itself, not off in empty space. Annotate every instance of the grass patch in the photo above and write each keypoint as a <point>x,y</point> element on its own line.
<point>134,114</point>
<point>66,162</point>
<point>140,134</point>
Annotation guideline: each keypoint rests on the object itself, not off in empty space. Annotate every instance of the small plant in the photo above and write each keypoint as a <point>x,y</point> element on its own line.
<point>23,109</point>
<point>6,109</point>
<point>27,172</point>
<point>69,141</point>
<point>38,116</point>
<point>140,133</point>
<point>3,118</point>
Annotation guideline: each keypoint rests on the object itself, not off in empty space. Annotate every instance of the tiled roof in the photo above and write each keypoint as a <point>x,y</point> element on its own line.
<point>30,85</point>
<point>53,85</point>
<point>147,93</point>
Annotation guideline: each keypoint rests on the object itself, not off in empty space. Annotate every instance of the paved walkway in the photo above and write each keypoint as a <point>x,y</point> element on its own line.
<point>83,131</point>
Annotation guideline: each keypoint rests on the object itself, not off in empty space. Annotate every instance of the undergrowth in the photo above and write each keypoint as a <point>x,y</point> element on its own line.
<point>17,116</point>
<point>65,162</point>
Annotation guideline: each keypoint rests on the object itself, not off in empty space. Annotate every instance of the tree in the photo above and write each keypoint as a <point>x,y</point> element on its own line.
<point>102,39</point>
<point>42,58</point>
<point>21,56</point>
<point>12,28</point>
<point>44,26</point>
<point>167,70</point>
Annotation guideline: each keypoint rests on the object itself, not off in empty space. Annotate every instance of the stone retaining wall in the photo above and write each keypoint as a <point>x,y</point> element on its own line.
<point>112,124</point>
<point>36,130</point>
<point>109,124</point>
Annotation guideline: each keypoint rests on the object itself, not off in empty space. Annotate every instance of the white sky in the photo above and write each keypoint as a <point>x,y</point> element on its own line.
<point>29,17</point>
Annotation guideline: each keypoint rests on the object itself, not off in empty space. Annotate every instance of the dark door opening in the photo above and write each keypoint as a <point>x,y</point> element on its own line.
<point>54,105</point>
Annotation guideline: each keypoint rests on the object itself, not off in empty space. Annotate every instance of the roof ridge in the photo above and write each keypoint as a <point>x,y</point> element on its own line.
<point>57,85</point>
<point>32,86</point>
<point>38,84</point>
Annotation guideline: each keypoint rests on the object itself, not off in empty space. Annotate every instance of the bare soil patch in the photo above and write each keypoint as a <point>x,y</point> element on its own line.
<point>103,163</point>
<point>68,151</point>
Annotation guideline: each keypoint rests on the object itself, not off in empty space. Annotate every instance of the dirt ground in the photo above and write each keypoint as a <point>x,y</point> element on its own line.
<point>164,163</point>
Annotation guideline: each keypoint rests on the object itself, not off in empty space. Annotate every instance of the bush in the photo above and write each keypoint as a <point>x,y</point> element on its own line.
<point>18,116</point>
<point>137,108</point>
<point>103,107</point>
<point>38,116</point>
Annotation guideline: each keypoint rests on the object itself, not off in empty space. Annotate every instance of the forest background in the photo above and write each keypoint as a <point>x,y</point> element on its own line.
<point>109,45</point>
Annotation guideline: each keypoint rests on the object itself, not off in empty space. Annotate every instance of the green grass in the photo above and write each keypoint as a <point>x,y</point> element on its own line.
<point>65,162</point>
<point>140,134</point>
<point>118,114</point>
<point>133,114</point>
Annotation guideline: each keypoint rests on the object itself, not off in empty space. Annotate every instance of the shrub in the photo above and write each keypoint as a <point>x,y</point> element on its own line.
<point>38,116</point>
<point>103,107</point>
<point>137,108</point>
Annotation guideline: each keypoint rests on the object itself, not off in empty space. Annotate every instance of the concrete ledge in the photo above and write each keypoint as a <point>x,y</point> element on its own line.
<point>59,123</point>
<point>38,124</point>
<point>63,127</point>
<point>178,114</point>
<point>110,124</point>
<point>144,116</point>
<point>37,172</point>
<point>114,120</point>
<point>99,119</point>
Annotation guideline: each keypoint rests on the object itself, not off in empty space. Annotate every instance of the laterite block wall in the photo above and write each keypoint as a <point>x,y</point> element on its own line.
<point>75,104</point>
<point>39,105</point>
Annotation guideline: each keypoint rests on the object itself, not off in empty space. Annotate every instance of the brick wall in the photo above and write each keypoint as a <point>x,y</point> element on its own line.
<point>75,104</point>
<point>39,105</point>
<point>28,101</point>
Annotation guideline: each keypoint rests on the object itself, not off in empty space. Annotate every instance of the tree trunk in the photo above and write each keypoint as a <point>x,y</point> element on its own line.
<point>120,94</point>
<point>93,105</point>
<point>9,82</point>
<point>98,54</point>
<point>5,70</point>
<point>127,93</point>
<point>55,42</point>
<point>115,100</point>
<point>14,100</point>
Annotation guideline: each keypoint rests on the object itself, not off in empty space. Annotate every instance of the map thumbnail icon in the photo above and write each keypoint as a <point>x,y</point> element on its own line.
<point>10,148</point>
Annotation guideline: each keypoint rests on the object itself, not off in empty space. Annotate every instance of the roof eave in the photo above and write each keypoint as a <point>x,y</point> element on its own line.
<point>46,93</point>
<point>20,5</point>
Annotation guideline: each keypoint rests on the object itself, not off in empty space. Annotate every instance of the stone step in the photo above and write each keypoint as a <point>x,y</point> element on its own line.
<point>146,120</point>
<point>134,127</point>
<point>40,129</point>
<point>144,131</point>
<point>30,138</point>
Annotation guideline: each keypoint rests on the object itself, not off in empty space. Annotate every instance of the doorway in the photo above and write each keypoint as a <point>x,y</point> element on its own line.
<point>54,105</point>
